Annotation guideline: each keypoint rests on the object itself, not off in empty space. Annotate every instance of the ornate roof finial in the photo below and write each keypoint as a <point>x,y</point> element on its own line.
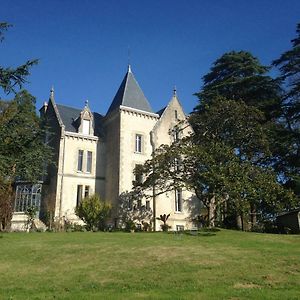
<point>128,54</point>
<point>52,92</point>
<point>86,103</point>
<point>174,91</point>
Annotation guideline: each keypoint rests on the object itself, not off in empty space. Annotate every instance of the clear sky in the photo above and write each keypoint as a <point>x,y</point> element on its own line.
<point>83,45</point>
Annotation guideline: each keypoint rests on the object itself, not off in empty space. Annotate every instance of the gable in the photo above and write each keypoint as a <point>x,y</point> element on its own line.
<point>170,117</point>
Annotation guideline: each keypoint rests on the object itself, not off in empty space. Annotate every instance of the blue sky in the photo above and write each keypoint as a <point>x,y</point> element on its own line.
<point>83,45</point>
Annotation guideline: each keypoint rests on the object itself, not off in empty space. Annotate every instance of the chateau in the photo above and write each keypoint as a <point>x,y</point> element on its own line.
<point>98,154</point>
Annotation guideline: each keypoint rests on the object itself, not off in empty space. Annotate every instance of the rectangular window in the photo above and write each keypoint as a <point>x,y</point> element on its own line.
<point>139,204</point>
<point>86,126</point>
<point>86,191</point>
<point>178,200</point>
<point>179,228</point>
<point>138,174</point>
<point>79,194</point>
<point>138,143</point>
<point>176,115</point>
<point>80,160</point>
<point>89,161</point>
<point>148,205</point>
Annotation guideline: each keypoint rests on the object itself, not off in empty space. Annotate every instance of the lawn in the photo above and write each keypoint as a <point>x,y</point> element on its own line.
<point>211,265</point>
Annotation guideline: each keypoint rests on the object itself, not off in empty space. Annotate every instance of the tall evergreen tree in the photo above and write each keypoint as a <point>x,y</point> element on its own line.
<point>289,146</point>
<point>240,76</point>
<point>23,154</point>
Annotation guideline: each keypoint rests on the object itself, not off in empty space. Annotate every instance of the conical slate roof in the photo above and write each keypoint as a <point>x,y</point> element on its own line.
<point>130,94</point>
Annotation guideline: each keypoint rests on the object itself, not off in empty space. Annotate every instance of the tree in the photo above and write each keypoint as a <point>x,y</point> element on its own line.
<point>240,76</point>
<point>239,107</point>
<point>288,150</point>
<point>18,156</point>
<point>23,153</point>
<point>228,186</point>
<point>10,78</point>
<point>234,123</point>
<point>94,212</point>
<point>132,212</point>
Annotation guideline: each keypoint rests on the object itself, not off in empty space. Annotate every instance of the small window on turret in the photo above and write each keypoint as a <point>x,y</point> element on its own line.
<point>176,115</point>
<point>86,126</point>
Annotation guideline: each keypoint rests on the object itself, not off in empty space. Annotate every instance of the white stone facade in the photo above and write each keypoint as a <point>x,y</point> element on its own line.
<point>97,154</point>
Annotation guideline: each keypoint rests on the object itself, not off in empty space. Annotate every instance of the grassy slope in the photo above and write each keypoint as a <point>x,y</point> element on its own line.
<point>227,265</point>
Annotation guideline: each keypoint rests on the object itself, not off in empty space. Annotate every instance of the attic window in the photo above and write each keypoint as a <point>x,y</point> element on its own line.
<point>86,126</point>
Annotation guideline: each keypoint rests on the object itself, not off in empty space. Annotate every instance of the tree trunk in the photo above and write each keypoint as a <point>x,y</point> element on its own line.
<point>212,212</point>
<point>239,222</point>
<point>253,216</point>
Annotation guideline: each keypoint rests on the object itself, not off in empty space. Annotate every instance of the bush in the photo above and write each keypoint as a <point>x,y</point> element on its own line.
<point>94,212</point>
<point>165,227</point>
<point>129,225</point>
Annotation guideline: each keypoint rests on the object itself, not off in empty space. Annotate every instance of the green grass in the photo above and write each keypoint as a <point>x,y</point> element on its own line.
<point>221,265</point>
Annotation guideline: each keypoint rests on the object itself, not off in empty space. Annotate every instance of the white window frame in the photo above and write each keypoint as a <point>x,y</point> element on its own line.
<point>80,160</point>
<point>86,127</point>
<point>179,228</point>
<point>138,143</point>
<point>79,194</point>
<point>86,191</point>
<point>178,200</point>
<point>89,161</point>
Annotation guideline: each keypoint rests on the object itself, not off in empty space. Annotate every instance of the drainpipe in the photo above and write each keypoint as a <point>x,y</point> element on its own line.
<point>153,187</point>
<point>62,173</point>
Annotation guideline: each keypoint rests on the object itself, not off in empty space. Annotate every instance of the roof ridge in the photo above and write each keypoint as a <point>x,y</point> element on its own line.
<point>68,106</point>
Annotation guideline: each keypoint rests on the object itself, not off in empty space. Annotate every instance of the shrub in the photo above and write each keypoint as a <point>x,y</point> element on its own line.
<point>129,225</point>
<point>94,212</point>
<point>163,218</point>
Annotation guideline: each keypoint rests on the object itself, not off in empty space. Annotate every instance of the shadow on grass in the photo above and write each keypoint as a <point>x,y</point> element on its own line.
<point>204,232</point>
<point>200,233</point>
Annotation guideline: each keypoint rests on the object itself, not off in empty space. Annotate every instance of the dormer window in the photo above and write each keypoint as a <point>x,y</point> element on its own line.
<point>86,126</point>
<point>85,121</point>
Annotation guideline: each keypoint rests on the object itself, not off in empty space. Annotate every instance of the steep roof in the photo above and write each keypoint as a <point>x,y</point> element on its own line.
<point>161,111</point>
<point>130,94</point>
<point>69,115</point>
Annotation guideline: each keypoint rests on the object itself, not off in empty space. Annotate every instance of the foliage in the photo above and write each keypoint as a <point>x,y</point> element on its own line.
<point>224,163</point>
<point>235,124</point>
<point>130,225</point>
<point>130,212</point>
<point>164,218</point>
<point>288,146</point>
<point>31,215</point>
<point>6,204</point>
<point>94,212</point>
<point>237,130</point>
<point>23,153</point>
<point>10,78</point>
<point>239,76</point>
